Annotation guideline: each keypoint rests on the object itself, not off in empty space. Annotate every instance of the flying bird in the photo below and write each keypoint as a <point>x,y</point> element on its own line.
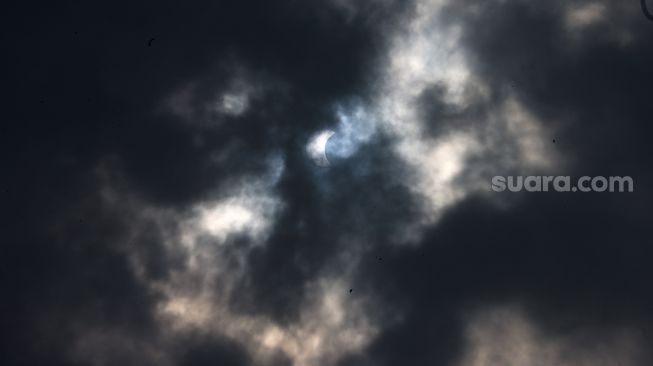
<point>149,43</point>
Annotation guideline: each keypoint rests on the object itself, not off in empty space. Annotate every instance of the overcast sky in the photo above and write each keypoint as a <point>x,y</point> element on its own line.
<point>308,183</point>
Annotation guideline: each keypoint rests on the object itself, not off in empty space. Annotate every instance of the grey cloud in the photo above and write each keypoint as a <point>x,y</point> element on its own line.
<point>161,207</point>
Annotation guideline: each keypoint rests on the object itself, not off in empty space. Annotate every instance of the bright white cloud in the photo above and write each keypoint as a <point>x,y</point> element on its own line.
<point>584,14</point>
<point>426,54</point>
<point>196,297</point>
<point>331,324</point>
<point>234,103</point>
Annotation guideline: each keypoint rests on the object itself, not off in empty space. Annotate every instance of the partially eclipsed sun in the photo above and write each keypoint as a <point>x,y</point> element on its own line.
<point>316,148</point>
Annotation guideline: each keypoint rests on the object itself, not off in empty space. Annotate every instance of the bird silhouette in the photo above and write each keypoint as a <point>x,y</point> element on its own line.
<point>149,43</point>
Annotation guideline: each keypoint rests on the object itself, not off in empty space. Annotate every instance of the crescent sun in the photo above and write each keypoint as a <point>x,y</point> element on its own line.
<point>316,148</point>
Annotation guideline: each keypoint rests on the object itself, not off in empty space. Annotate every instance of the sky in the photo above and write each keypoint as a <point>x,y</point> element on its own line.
<point>308,183</point>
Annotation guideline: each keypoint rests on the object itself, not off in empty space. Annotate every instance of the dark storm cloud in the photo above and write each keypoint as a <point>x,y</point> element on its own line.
<point>572,262</point>
<point>83,86</point>
<point>576,261</point>
<point>89,86</point>
<point>66,274</point>
<point>362,200</point>
<point>173,125</point>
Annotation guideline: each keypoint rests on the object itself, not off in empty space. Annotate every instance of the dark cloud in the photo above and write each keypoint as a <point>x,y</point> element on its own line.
<point>208,352</point>
<point>304,238</point>
<point>576,261</point>
<point>145,181</point>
